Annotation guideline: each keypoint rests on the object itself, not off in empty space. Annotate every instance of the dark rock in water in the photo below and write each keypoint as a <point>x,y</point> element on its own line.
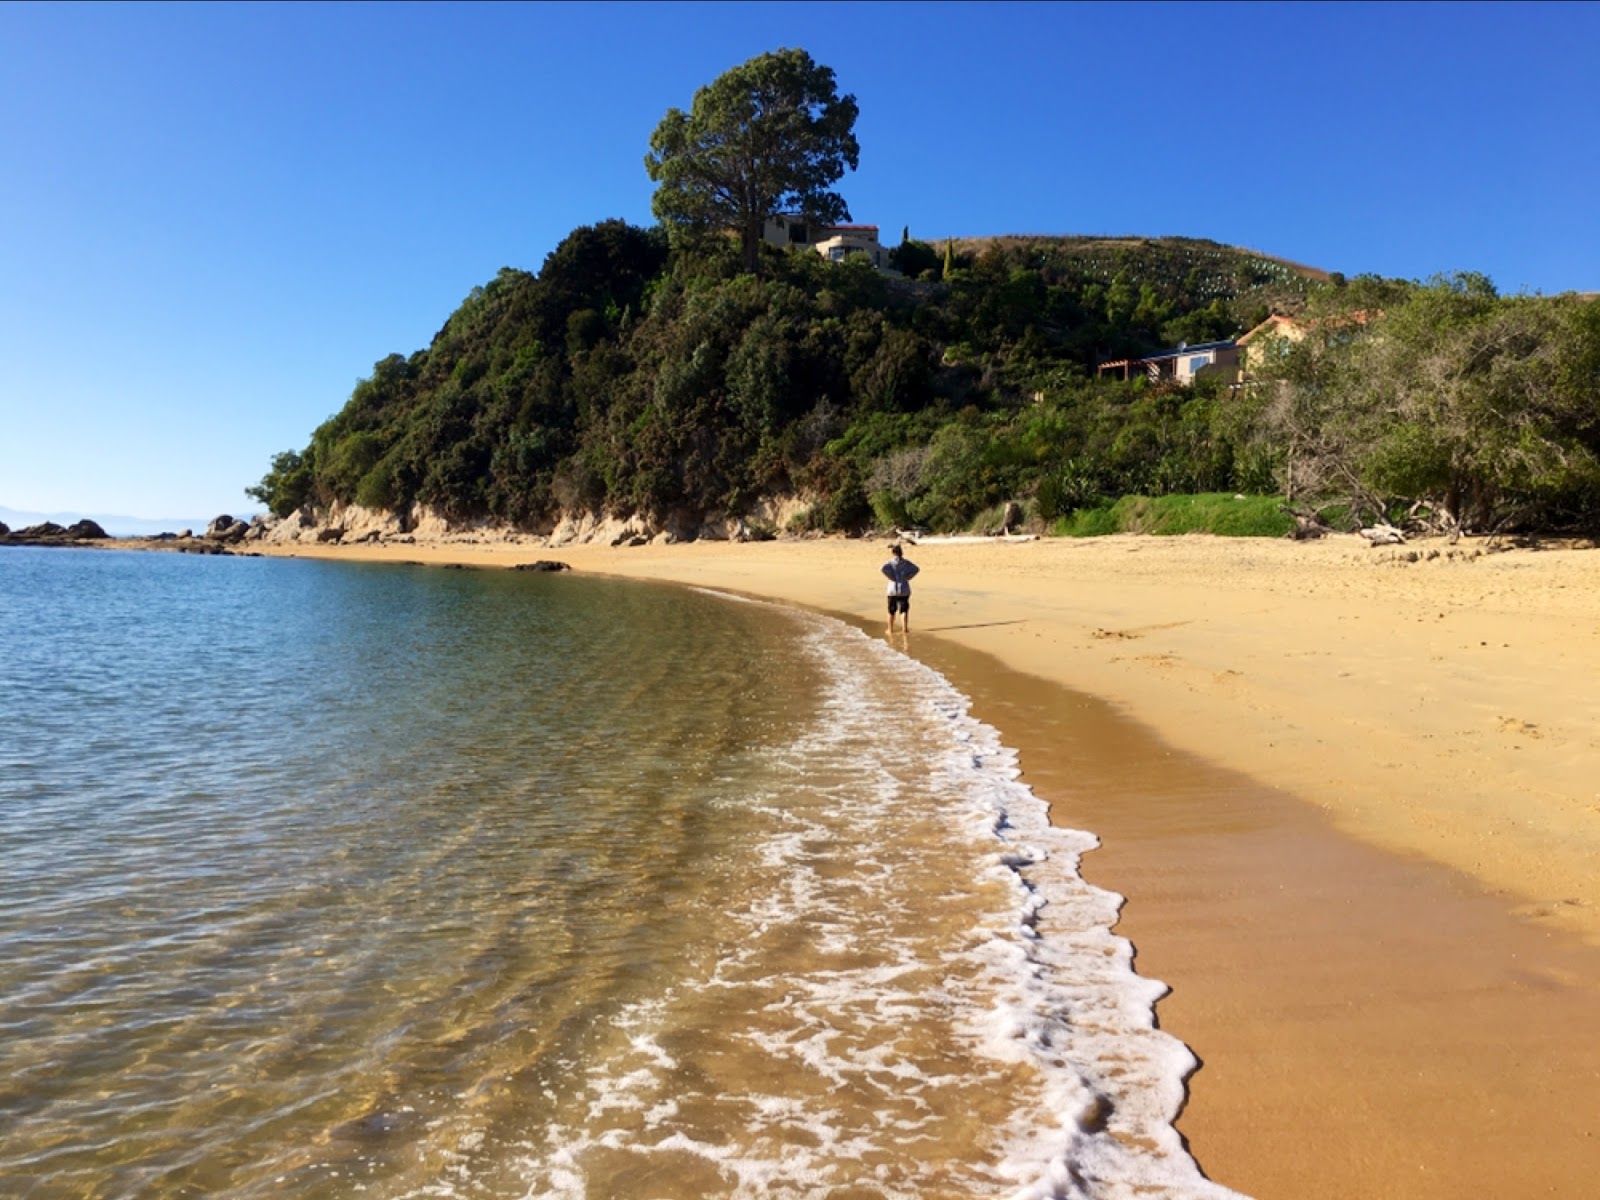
<point>5,529</point>
<point>195,546</point>
<point>376,1124</point>
<point>86,529</point>
<point>48,531</point>
<point>544,564</point>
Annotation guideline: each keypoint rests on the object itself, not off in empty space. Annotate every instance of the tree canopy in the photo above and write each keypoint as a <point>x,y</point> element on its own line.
<point>629,376</point>
<point>770,136</point>
<point>1477,410</point>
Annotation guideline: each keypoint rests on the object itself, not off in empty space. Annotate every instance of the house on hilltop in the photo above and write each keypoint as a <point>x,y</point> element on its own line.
<point>1237,361</point>
<point>1274,337</point>
<point>834,242</point>
<point>1183,365</point>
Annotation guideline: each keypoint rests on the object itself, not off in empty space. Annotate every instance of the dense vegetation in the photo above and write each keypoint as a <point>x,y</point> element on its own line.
<point>630,377</point>
<point>681,373</point>
<point>1442,404</point>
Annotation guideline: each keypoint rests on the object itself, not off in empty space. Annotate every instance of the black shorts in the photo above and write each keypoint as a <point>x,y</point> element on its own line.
<point>899,604</point>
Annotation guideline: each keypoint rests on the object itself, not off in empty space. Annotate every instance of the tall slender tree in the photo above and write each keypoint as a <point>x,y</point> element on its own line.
<point>771,136</point>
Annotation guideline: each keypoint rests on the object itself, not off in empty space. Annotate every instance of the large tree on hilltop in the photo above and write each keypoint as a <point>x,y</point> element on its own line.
<point>770,136</point>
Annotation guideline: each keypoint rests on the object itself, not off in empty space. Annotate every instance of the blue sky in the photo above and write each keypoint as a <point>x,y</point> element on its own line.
<point>218,217</point>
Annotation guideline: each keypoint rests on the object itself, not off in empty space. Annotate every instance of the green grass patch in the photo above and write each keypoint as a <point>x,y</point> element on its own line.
<point>1219,513</point>
<point>1086,522</point>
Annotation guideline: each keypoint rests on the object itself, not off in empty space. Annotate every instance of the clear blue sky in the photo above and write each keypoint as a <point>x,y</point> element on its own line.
<point>218,217</point>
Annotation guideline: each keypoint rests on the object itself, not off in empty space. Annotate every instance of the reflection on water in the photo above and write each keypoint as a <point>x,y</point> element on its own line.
<point>322,877</point>
<point>300,860</point>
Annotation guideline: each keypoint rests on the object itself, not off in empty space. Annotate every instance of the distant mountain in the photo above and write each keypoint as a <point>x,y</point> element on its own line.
<point>116,526</point>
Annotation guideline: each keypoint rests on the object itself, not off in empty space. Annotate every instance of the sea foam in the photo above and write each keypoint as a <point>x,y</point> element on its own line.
<point>917,994</point>
<point>1069,1003</point>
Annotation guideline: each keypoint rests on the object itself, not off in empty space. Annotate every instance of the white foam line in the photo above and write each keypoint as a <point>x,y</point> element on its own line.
<point>1046,983</point>
<point>1077,1011</point>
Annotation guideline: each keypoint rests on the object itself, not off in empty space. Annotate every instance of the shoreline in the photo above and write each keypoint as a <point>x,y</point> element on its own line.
<point>1343,791</point>
<point>1438,708</point>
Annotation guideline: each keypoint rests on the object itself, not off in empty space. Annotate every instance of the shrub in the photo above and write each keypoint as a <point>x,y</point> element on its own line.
<point>377,489</point>
<point>1087,522</point>
<point>888,509</point>
<point>1222,514</point>
<point>1218,513</point>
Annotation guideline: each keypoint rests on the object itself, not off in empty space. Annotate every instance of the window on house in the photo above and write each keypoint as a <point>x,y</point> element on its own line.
<point>797,233</point>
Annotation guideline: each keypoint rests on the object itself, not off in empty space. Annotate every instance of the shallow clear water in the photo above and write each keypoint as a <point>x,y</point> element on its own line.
<point>325,879</point>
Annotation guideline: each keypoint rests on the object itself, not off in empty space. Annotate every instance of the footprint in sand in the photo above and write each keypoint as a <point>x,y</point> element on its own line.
<point>1522,728</point>
<point>1164,661</point>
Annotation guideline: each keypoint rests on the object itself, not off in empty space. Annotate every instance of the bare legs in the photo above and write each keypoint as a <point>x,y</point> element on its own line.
<point>905,618</point>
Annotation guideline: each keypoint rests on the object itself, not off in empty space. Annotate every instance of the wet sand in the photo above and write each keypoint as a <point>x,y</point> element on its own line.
<point>1352,800</point>
<point>1369,1025</point>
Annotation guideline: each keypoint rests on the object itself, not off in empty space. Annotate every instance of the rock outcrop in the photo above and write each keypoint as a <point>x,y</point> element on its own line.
<point>48,533</point>
<point>351,524</point>
<point>228,530</point>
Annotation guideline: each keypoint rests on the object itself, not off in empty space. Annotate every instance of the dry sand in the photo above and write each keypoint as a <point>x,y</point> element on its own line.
<point>1354,801</point>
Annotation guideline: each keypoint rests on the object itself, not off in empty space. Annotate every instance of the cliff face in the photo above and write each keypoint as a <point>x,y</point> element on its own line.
<point>350,523</point>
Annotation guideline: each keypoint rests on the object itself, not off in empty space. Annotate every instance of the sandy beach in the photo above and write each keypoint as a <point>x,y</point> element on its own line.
<point>1352,795</point>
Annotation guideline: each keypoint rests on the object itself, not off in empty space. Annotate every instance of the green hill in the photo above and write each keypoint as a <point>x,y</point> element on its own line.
<point>1196,266</point>
<point>630,377</point>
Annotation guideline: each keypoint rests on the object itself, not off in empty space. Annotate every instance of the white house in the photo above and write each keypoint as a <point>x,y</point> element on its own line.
<point>1182,365</point>
<point>833,242</point>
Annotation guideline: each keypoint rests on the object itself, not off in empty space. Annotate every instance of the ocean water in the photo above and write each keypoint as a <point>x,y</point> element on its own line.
<point>325,880</point>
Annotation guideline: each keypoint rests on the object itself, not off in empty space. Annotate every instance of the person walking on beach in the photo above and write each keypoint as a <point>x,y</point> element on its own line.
<point>899,570</point>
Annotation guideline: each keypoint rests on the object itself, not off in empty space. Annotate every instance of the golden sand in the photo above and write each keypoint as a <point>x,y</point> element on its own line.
<point>1352,794</point>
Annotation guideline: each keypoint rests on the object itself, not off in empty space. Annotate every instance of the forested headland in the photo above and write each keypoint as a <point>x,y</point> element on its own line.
<point>689,371</point>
